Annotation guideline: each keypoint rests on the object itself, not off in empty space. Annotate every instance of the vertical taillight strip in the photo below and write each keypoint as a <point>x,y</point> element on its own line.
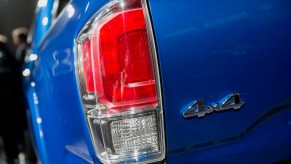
<point>119,84</point>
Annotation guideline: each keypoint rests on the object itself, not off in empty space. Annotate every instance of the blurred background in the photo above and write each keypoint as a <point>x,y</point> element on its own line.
<point>14,14</point>
<point>15,144</point>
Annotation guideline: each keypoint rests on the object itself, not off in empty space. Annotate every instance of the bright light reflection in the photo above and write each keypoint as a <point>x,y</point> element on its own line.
<point>87,7</point>
<point>42,3</point>
<point>35,99</point>
<point>122,4</point>
<point>32,57</point>
<point>32,84</point>
<point>26,72</point>
<point>45,21</point>
<point>39,120</point>
<point>70,10</point>
<point>40,133</point>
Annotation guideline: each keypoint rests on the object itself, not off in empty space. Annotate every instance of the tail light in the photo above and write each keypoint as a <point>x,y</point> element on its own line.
<point>119,84</point>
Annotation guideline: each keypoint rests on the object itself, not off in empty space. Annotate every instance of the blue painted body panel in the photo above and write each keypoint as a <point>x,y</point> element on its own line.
<point>206,50</point>
<point>39,30</point>
<point>41,26</point>
<point>64,136</point>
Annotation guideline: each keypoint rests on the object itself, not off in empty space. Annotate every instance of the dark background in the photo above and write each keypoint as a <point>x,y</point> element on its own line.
<point>14,137</point>
<point>13,14</point>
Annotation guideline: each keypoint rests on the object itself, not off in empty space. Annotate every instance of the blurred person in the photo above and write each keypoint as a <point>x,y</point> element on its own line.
<point>19,36</point>
<point>11,116</point>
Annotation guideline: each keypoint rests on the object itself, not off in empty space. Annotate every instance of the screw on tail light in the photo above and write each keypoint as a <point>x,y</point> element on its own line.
<point>119,84</point>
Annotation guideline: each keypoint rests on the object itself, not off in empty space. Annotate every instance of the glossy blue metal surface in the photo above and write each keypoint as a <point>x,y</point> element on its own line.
<point>268,143</point>
<point>57,116</point>
<point>208,49</point>
<point>43,21</point>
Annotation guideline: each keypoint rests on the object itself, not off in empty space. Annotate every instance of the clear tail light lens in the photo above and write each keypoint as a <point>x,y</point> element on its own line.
<point>119,84</point>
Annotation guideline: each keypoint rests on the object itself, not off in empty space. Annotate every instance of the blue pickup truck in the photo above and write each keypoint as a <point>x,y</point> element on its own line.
<point>166,81</point>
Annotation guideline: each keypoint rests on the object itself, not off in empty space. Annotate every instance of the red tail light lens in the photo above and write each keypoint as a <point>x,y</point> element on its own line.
<point>122,61</point>
<point>117,79</point>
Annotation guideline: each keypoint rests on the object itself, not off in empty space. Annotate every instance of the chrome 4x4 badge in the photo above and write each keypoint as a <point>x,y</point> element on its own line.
<point>232,101</point>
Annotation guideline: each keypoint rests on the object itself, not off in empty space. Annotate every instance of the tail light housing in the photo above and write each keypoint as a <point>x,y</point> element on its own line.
<point>119,84</point>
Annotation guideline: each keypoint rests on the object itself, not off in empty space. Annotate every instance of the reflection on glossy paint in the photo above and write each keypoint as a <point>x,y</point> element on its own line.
<point>35,98</point>
<point>70,10</point>
<point>42,3</point>
<point>32,57</point>
<point>32,84</point>
<point>39,120</point>
<point>235,17</point>
<point>44,21</point>
<point>26,72</point>
<point>40,133</point>
<point>62,63</point>
<point>78,150</point>
<point>87,6</point>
